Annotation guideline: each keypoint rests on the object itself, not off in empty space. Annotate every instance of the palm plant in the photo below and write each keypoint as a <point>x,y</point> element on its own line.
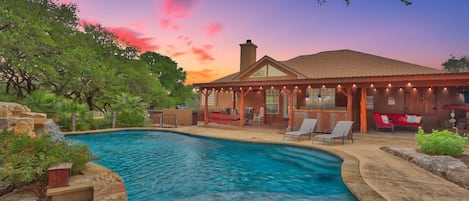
<point>130,110</point>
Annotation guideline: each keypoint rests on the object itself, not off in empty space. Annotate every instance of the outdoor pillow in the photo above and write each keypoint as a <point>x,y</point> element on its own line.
<point>410,118</point>
<point>385,119</point>
<point>418,119</point>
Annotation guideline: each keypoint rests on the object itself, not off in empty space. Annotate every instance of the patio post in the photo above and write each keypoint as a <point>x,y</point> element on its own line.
<point>290,112</point>
<point>363,121</point>
<point>206,94</point>
<point>241,118</point>
<point>348,93</point>
<point>242,95</point>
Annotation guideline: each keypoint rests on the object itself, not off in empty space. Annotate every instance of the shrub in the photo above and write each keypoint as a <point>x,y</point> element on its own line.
<point>441,142</point>
<point>24,159</point>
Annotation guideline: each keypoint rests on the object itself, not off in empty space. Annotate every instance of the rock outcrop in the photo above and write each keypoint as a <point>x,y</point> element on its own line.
<point>447,167</point>
<point>19,119</point>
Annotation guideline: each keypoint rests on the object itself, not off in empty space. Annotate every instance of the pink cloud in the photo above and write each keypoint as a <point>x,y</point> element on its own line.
<point>126,36</point>
<point>165,23</point>
<point>212,29</point>
<point>139,25</point>
<point>176,54</point>
<point>134,38</point>
<point>202,54</point>
<point>175,9</point>
<point>178,8</point>
<point>207,47</point>
<point>185,39</point>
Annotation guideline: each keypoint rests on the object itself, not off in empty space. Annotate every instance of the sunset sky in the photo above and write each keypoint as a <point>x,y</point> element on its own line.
<point>203,36</point>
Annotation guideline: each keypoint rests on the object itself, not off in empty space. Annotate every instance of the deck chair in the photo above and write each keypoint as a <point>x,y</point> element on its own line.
<point>259,117</point>
<point>340,131</point>
<point>307,128</point>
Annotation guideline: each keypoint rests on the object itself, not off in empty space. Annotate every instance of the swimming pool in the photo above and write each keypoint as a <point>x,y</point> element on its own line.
<point>159,165</point>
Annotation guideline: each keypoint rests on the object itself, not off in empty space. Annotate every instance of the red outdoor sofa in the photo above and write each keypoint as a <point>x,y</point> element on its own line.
<point>392,120</point>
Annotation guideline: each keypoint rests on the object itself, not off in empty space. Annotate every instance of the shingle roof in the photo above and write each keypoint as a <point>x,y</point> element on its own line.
<point>345,64</point>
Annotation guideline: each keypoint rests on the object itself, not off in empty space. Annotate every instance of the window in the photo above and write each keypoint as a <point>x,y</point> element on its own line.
<point>272,101</point>
<point>320,98</point>
<point>268,71</point>
<point>210,101</point>
<point>261,72</point>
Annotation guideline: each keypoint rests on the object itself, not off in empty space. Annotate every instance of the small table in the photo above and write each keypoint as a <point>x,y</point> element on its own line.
<point>59,175</point>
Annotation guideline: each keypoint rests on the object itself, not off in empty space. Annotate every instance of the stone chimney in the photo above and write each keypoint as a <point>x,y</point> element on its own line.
<point>248,55</point>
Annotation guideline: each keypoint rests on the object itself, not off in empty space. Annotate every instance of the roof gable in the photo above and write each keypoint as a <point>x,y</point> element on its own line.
<point>267,68</point>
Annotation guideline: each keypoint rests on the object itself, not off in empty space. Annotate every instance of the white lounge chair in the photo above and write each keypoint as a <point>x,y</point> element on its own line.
<point>340,131</point>
<point>307,127</point>
<point>260,116</point>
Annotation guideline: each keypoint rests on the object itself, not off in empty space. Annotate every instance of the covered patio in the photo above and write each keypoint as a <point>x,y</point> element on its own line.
<point>356,98</point>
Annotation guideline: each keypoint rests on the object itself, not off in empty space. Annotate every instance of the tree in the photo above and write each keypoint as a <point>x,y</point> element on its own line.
<point>170,76</point>
<point>30,33</point>
<point>455,65</point>
<point>42,48</point>
<point>164,69</point>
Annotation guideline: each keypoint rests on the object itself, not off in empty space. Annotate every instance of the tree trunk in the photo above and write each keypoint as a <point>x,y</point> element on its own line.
<point>113,119</point>
<point>74,121</point>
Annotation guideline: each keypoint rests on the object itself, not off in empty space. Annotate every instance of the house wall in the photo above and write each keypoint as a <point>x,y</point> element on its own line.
<point>222,100</point>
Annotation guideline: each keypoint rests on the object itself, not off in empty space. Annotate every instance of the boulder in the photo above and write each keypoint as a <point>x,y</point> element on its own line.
<point>34,115</point>
<point>4,123</point>
<point>447,167</point>
<point>19,118</point>
<point>459,176</point>
<point>4,112</point>
<point>15,108</point>
<point>24,126</point>
<point>438,164</point>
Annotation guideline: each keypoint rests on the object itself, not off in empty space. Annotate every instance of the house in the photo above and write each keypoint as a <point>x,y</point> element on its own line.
<point>333,86</point>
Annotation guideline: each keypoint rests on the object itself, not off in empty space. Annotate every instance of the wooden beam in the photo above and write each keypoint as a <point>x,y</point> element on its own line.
<point>348,93</point>
<point>241,108</point>
<point>242,95</point>
<point>206,93</point>
<point>363,120</point>
<point>290,113</point>
<point>291,95</point>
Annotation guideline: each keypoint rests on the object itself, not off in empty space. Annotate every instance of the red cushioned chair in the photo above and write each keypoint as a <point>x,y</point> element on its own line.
<point>380,124</point>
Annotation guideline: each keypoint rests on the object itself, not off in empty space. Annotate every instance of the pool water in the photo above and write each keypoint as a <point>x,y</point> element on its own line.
<point>158,165</point>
